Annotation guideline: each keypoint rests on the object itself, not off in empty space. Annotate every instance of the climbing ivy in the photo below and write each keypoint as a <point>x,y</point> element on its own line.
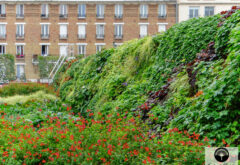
<point>46,64</point>
<point>7,70</point>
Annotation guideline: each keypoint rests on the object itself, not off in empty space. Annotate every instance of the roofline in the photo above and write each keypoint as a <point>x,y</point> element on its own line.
<point>88,1</point>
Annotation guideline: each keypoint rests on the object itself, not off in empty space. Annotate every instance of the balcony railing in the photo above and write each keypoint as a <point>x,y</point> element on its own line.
<point>19,36</point>
<point>63,16</point>
<point>81,36</point>
<point>44,16</point>
<point>20,15</point>
<point>45,36</point>
<point>20,56</point>
<point>118,16</point>
<point>3,36</point>
<point>143,16</point>
<point>100,36</point>
<point>100,16</point>
<point>142,35</point>
<point>63,36</point>
<point>2,15</point>
<point>81,16</point>
<point>162,16</point>
<point>118,36</point>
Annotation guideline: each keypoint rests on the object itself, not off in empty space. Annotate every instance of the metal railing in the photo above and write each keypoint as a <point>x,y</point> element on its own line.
<point>100,36</point>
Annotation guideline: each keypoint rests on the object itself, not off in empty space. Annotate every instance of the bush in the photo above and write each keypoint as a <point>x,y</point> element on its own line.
<point>24,89</point>
<point>7,71</point>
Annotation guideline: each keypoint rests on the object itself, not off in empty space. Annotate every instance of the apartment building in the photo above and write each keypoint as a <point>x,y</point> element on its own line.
<point>188,9</point>
<point>30,28</point>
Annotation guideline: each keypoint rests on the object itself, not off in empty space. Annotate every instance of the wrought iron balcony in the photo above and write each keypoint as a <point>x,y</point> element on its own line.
<point>118,36</point>
<point>20,36</point>
<point>20,16</point>
<point>100,36</point>
<point>118,16</point>
<point>45,36</point>
<point>63,16</point>
<point>63,36</point>
<point>143,16</point>
<point>3,36</point>
<point>82,36</point>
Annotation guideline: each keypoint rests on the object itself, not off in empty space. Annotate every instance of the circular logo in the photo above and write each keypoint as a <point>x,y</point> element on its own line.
<point>221,154</point>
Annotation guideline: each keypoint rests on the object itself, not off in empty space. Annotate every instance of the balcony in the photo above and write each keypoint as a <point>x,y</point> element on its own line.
<point>81,16</point>
<point>162,16</point>
<point>63,16</point>
<point>81,36</point>
<point>100,16</point>
<point>118,36</point>
<point>44,36</point>
<point>118,16</point>
<point>3,36</point>
<point>2,15</point>
<point>143,16</point>
<point>19,36</point>
<point>63,36</point>
<point>19,16</point>
<point>20,56</point>
<point>99,36</point>
<point>44,16</point>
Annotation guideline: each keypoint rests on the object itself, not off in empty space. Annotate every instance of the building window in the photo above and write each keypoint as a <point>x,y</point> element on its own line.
<point>193,12</point>
<point>115,45</point>
<point>20,71</point>
<point>81,31</point>
<point>44,31</point>
<point>118,32</point>
<point>161,28</point>
<point>20,31</point>
<point>44,12</point>
<point>99,48</point>
<point>162,12</point>
<point>2,49</point>
<point>209,11</point>
<point>2,31</point>
<point>118,11</point>
<point>100,31</point>
<point>82,11</point>
<point>20,11</point>
<point>63,31</point>
<point>100,11</point>
<point>63,11</point>
<point>20,50</point>
<point>2,10</point>
<point>143,30</point>
<point>82,50</point>
<point>44,51</point>
<point>143,11</point>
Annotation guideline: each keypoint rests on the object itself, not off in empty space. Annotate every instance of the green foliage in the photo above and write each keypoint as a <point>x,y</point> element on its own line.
<point>7,70</point>
<point>24,89</point>
<point>46,64</point>
<point>222,37</point>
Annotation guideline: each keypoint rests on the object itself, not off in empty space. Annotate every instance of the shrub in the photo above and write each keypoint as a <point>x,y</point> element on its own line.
<point>7,71</point>
<point>24,89</point>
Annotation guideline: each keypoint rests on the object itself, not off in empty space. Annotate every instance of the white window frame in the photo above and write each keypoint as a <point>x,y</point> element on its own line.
<point>209,14</point>
<point>3,49</point>
<point>143,11</point>
<point>46,46</point>
<point>3,9</point>
<point>3,30</point>
<point>100,10</point>
<point>196,10</point>
<point>63,10</point>
<point>81,12</point>
<point>118,30</point>
<point>162,27</point>
<point>63,36</point>
<point>82,49</point>
<point>82,32</point>
<point>162,10</point>
<point>19,76</point>
<point>44,10</point>
<point>22,31</point>
<point>44,30</point>
<point>118,11</point>
<point>19,12</point>
<point>143,25</point>
<point>22,52</point>
<point>100,33</point>
<point>99,47</point>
